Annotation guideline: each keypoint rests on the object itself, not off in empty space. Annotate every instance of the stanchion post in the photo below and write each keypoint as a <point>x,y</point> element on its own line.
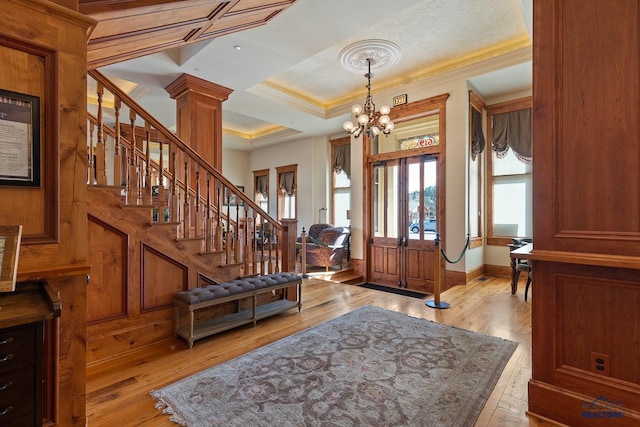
<point>437,262</point>
<point>303,254</point>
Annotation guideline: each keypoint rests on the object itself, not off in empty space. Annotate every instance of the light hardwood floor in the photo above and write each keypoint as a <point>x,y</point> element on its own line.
<point>118,392</point>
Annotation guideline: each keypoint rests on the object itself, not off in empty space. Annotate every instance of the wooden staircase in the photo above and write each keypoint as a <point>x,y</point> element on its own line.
<point>160,218</point>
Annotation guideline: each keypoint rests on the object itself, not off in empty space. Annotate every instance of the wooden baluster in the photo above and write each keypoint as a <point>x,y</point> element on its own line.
<point>199,217</point>
<point>278,250</point>
<point>248,239</point>
<point>91,180</point>
<point>237,242</point>
<point>117,165</point>
<point>269,250</point>
<point>173,202</point>
<point>186,213</point>
<point>263,242</point>
<point>101,175</point>
<point>219,226</point>
<point>229,229</point>
<point>257,222</point>
<point>147,163</point>
<point>140,183</point>
<point>161,193</point>
<point>132,179</point>
<point>208,225</point>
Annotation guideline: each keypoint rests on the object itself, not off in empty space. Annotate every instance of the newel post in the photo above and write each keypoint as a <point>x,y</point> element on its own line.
<point>289,234</point>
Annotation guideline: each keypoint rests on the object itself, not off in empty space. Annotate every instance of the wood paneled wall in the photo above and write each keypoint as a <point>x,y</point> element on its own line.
<point>586,180</point>
<point>137,268</point>
<point>43,52</point>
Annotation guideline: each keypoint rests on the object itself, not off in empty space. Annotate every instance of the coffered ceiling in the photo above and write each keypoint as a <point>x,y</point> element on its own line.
<point>285,72</point>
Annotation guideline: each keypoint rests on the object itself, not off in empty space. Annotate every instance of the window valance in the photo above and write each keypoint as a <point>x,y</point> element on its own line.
<point>261,185</point>
<point>513,130</point>
<point>342,159</point>
<point>288,182</point>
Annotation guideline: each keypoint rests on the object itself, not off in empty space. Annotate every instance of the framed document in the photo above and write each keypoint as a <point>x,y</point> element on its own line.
<point>10,236</point>
<point>19,139</point>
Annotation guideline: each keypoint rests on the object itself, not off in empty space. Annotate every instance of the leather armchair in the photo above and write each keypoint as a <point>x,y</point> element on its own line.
<point>329,248</point>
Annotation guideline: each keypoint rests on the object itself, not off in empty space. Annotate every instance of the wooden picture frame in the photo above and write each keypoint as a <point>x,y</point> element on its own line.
<point>19,139</point>
<point>230,199</point>
<point>10,236</point>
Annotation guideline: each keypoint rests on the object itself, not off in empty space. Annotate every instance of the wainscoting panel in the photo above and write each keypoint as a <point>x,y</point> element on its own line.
<point>591,310</point>
<point>107,291</point>
<point>162,278</point>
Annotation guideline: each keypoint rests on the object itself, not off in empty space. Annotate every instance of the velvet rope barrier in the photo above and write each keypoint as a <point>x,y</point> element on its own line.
<point>438,253</point>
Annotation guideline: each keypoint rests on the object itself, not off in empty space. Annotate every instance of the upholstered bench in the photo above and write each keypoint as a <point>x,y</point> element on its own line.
<point>191,324</point>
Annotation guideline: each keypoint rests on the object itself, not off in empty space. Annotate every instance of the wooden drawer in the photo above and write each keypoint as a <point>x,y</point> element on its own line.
<point>14,406</point>
<point>17,345</point>
<point>16,381</point>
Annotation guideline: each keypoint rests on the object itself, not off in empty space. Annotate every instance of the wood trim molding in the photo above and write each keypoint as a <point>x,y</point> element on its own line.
<point>189,83</point>
<point>492,110</point>
<point>585,258</point>
<point>49,145</point>
<point>54,272</point>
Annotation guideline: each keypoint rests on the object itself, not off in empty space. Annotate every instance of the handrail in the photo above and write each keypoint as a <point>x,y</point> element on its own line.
<point>174,139</point>
<point>178,184</point>
<point>166,173</point>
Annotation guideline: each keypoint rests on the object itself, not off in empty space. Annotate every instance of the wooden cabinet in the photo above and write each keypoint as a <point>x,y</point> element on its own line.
<point>21,375</point>
<point>23,314</point>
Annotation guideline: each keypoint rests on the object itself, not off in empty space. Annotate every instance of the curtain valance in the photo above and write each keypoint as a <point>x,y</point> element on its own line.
<point>288,182</point>
<point>342,159</point>
<point>513,130</point>
<point>261,185</point>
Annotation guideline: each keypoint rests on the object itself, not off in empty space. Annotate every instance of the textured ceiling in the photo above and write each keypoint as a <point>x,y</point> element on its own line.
<point>430,34</point>
<point>287,78</point>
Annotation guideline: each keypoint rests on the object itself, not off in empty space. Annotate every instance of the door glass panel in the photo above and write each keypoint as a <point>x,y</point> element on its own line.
<point>393,200</point>
<point>386,201</point>
<point>421,187</point>
<point>378,200</point>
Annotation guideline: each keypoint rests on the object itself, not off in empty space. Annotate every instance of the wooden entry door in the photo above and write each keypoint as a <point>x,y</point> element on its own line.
<point>404,222</point>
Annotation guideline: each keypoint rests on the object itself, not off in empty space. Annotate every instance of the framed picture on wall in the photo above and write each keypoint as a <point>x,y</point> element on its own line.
<point>19,139</point>
<point>230,199</point>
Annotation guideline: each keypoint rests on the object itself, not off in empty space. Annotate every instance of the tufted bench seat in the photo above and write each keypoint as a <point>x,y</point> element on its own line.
<point>191,325</point>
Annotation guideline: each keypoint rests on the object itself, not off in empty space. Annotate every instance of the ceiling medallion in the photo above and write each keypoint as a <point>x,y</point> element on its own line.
<point>377,53</point>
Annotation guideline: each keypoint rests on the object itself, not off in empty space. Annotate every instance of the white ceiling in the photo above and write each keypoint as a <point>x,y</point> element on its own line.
<point>287,79</point>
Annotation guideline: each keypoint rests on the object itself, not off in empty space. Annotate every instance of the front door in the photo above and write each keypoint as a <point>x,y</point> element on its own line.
<point>404,222</point>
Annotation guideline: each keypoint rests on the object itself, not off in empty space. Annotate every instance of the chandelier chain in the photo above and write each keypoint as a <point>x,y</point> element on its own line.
<point>368,120</point>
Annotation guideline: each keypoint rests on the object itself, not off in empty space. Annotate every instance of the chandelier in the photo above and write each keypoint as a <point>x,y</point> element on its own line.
<point>368,120</point>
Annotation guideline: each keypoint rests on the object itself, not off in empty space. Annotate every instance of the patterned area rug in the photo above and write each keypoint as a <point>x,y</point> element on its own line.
<point>369,367</point>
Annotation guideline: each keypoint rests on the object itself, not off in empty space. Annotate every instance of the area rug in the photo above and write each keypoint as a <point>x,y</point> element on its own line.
<point>398,291</point>
<point>369,367</point>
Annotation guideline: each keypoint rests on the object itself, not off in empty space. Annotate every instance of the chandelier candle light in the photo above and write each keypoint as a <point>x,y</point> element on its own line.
<point>369,120</point>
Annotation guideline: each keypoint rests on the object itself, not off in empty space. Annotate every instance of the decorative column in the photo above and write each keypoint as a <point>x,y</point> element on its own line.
<point>199,115</point>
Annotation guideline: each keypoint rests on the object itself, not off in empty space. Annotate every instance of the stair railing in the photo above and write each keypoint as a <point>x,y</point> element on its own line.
<point>154,168</point>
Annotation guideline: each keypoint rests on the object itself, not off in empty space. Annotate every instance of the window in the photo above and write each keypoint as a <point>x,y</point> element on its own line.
<point>341,181</point>
<point>477,145</point>
<point>509,176</point>
<point>261,189</point>
<point>287,182</point>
